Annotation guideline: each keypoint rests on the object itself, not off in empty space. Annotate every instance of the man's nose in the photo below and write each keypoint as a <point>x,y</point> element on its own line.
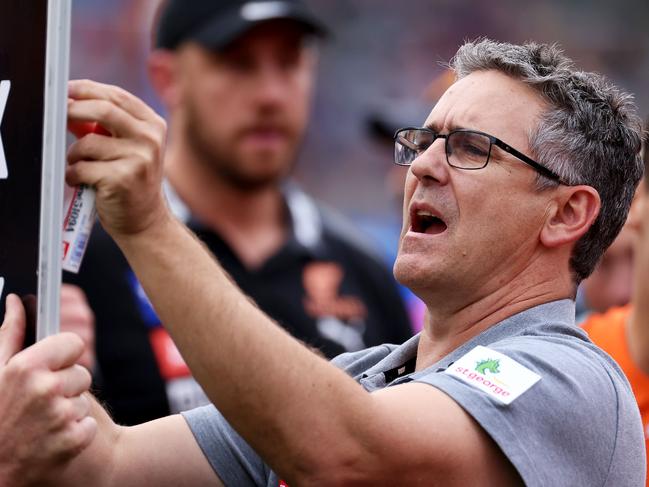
<point>272,85</point>
<point>431,165</point>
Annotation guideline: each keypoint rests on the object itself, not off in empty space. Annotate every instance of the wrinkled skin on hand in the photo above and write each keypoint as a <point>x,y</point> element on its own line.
<point>44,411</point>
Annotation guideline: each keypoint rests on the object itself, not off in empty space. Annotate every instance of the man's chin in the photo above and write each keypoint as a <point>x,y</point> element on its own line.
<point>406,272</point>
<point>410,273</point>
<point>253,173</point>
<point>252,184</point>
<point>271,174</point>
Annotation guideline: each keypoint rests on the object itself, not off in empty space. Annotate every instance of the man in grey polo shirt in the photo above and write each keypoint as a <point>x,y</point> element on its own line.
<point>548,444</point>
<point>520,179</point>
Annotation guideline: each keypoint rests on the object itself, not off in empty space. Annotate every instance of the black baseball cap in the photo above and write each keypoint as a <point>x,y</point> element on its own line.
<point>216,23</point>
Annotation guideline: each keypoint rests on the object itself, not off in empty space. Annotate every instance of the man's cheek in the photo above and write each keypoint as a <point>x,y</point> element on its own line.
<point>409,189</point>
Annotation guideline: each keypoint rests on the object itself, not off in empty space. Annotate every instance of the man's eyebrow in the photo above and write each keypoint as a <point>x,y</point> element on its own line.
<point>435,127</point>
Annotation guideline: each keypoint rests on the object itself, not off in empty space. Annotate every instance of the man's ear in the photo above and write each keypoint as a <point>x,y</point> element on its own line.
<point>575,211</point>
<point>162,72</point>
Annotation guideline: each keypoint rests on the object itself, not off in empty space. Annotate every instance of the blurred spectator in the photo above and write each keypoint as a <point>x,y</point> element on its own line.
<point>623,332</point>
<point>236,83</point>
<point>77,317</point>
<point>611,283</point>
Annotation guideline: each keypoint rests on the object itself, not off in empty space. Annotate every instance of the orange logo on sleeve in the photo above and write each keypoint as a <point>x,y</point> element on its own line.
<point>322,282</point>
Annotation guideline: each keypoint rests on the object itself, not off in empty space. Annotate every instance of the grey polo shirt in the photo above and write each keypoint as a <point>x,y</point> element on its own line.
<point>558,407</point>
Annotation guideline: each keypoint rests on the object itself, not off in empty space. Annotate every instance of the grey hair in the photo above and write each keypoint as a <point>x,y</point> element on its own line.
<point>590,133</point>
<point>645,154</point>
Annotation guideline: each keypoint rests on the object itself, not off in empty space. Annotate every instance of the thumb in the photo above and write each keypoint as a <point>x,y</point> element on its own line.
<point>12,332</point>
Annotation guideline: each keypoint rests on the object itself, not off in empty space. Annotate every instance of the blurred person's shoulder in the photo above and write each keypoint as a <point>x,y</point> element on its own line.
<point>326,230</point>
<point>340,232</point>
<point>608,330</point>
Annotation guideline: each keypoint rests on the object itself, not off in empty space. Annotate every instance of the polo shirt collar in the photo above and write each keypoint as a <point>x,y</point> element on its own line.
<point>561,312</point>
<point>305,219</point>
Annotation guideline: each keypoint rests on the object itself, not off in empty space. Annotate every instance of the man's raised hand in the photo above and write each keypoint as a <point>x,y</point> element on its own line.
<point>126,167</point>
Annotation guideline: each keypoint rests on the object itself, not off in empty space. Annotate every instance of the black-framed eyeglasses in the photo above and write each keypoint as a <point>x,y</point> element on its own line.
<point>465,149</point>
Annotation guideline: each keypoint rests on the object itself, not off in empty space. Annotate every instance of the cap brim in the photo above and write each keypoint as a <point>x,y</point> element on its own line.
<point>225,29</point>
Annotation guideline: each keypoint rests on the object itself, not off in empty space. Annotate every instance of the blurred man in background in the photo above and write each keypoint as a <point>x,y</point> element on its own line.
<point>611,283</point>
<point>236,79</point>
<point>623,331</point>
<point>78,318</point>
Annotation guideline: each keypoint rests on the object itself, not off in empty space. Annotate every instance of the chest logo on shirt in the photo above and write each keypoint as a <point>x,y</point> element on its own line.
<point>322,282</point>
<point>501,377</point>
<point>488,365</point>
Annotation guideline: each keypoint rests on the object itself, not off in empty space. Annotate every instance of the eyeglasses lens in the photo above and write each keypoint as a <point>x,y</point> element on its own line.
<point>468,150</point>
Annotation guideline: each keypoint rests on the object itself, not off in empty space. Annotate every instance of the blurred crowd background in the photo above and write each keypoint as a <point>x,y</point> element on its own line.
<point>378,67</point>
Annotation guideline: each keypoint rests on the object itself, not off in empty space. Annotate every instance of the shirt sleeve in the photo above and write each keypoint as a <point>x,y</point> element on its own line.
<point>561,431</point>
<point>232,459</point>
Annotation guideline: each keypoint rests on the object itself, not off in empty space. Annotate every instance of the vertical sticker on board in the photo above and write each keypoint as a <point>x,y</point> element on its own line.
<point>5,86</point>
<point>2,285</point>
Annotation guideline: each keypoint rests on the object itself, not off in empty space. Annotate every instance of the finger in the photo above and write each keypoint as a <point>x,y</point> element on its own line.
<point>72,440</point>
<point>80,435</point>
<point>80,327</point>
<point>87,360</point>
<point>115,175</point>
<point>101,148</point>
<point>87,172</point>
<point>74,380</point>
<point>70,292</point>
<point>86,89</point>
<point>79,407</point>
<point>114,118</point>
<point>12,332</point>
<point>76,323</point>
<point>76,315</point>
<point>55,352</point>
<point>86,333</point>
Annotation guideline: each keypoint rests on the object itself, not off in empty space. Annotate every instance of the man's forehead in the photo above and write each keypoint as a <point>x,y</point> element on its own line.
<point>488,101</point>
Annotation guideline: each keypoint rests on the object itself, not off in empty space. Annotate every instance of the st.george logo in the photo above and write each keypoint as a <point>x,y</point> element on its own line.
<point>5,86</point>
<point>490,364</point>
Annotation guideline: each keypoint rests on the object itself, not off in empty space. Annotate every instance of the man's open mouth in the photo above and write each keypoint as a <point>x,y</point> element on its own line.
<point>423,221</point>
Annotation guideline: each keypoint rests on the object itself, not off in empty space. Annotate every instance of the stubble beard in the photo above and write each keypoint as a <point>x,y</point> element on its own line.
<point>224,164</point>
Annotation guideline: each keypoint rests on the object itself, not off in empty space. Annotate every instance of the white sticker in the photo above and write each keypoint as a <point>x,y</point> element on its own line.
<point>78,220</point>
<point>5,86</point>
<point>256,11</point>
<point>2,285</point>
<point>501,377</point>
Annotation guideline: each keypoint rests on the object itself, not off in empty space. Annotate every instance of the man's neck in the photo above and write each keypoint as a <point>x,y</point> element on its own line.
<point>448,327</point>
<point>253,223</point>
